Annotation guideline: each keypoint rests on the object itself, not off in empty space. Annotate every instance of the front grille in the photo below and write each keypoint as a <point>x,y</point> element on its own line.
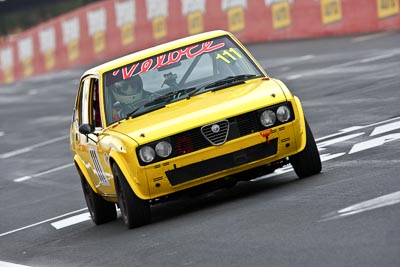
<point>216,133</point>
<point>243,125</point>
<point>202,137</point>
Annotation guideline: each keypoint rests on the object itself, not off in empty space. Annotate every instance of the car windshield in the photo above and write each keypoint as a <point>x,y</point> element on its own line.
<point>152,83</point>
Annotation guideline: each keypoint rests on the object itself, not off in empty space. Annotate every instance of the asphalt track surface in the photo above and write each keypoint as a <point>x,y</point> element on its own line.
<point>346,216</point>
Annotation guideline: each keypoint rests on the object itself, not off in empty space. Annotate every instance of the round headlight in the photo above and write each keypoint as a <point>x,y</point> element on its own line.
<point>283,114</point>
<point>163,149</point>
<point>147,154</point>
<point>268,118</point>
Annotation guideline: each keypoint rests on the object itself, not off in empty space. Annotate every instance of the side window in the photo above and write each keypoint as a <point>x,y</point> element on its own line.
<point>75,114</point>
<point>96,104</point>
<point>87,109</point>
<point>84,107</point>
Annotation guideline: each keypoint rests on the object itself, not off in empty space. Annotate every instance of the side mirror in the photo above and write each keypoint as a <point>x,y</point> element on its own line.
<point>86,129</point>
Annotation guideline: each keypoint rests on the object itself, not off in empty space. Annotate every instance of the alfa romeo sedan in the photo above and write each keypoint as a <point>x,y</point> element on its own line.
<point>194,114</point>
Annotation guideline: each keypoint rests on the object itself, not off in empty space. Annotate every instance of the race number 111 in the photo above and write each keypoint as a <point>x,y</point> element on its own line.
<point>228,55</point>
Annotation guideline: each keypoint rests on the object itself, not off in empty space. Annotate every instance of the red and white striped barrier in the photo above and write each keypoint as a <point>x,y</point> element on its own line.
<point>108,29</point>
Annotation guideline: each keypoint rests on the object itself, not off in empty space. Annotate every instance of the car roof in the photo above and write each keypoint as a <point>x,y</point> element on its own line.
<point>152,51</point>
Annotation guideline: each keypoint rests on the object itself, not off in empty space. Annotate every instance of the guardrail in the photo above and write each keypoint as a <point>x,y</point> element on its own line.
<point>108,29</point>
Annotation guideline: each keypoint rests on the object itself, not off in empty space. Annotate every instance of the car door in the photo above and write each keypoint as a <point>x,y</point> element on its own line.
<point>94,158</point>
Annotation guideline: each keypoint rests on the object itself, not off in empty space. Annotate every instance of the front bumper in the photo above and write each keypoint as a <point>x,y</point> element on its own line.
<point>221,163</point>
<point>212,163</point>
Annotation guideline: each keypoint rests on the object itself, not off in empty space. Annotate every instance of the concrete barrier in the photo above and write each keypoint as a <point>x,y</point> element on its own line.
<point>108,29</point>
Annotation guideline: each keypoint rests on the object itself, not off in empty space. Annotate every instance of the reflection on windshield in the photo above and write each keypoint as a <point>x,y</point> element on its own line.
<point>174,75</point>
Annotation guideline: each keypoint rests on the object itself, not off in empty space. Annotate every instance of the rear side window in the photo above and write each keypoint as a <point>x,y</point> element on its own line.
<point>84,107</point>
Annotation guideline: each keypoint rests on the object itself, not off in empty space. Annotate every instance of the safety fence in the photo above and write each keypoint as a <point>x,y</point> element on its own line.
<point>107,29</point>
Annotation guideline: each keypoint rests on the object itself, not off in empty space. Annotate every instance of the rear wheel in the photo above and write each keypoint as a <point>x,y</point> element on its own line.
<point>101,211</point>
<point>135,211</point>
<point>308,161</point>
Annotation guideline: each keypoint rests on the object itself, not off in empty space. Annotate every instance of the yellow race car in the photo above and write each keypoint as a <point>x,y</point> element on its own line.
<point>194,114</point>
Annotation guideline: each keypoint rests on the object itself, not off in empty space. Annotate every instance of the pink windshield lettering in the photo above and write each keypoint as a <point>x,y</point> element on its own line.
<point>160,63</point>
<point>146,65</point>
<point>176,55</point>
<point>127,74</point>
<point>169,58</point>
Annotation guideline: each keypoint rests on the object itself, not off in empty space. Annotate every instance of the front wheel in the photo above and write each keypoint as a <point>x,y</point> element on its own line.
<point>308,161</point>
<point>101,211</point>
<point>135,211</point>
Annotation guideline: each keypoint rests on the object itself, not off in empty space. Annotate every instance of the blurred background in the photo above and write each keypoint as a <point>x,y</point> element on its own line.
<point>44,36</point>
<point>19,15</point>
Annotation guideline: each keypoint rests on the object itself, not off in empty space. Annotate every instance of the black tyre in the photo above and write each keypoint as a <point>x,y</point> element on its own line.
<point>308,161</point>
<point>135,211</point>
<point>101,211</point>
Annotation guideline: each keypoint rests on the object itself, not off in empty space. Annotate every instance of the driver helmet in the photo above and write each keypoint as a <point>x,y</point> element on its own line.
<point>129,91</point>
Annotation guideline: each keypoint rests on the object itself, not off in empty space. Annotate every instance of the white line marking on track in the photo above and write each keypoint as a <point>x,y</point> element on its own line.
<point>42,222</point>
<point>372,59</point>
<point>289,168</point>
<point>375,203</point>
<point>329,156</point>
<point>15,152</point>
<point>29,148</point>
<point>355,128</point>
<point>294,77</point>
<point>386,128</point>
<point>33,92</point>
<point>339,140</point>
<point>24,178</point>
<point>382,201</point>
<point>340,67</point>
<point>1,133</point>
<point>71,220</point>
<point>340,132</point>
<point>374,142</point>
<point>277,172</point>
<point>286,61</point>
<point>9,264</point>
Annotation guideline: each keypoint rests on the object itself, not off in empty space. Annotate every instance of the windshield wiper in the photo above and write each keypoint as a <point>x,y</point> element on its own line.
<point>169,97</point>
<point>160,102</point>
<point>225,82</point>
<point>229,80</point>
<point>135,113</point>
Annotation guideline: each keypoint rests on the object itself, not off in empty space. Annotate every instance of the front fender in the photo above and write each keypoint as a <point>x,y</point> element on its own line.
<point>135,176</point>
<point>299,114</point>
<point>82,171</point>
<point>301,143</point>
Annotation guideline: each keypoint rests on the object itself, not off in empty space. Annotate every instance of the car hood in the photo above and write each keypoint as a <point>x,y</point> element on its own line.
<point>201,109</point>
